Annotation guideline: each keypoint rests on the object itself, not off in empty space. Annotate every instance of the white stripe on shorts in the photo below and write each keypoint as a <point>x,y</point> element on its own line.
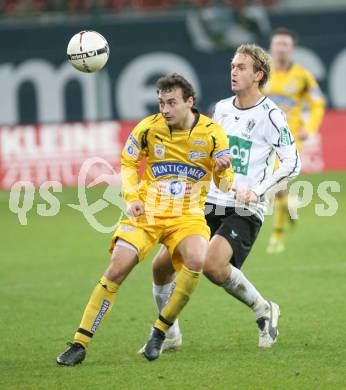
<point>126,244</point>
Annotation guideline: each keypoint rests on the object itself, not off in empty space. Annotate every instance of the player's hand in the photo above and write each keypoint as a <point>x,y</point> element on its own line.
<point>222,163</point>
<point>303,134</point>
<point>135,208</point>
<point>246,196</point>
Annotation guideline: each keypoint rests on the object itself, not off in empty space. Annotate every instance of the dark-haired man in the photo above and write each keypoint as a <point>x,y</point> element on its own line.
<point>183,150</point>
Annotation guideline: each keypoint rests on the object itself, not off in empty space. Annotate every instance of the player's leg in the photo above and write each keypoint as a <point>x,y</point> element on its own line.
<point>280,217</point>
<point>163,270</point>
<point>131,243</point>
<point>219,270</point>
<point>163,286</point>
<point>192,250</point>
<point>123,260</point>
<point>233,236</point>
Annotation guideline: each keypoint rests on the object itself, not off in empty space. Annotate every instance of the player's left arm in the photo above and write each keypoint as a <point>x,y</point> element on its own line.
<point>316,105</point>
<point>280,137</point>
<point>223,175</point>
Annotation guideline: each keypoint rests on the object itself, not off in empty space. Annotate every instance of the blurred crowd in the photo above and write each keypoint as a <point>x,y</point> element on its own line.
<point>22,7</point>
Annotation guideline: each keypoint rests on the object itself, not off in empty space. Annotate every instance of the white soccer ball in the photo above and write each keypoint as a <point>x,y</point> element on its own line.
<point>88,51</point>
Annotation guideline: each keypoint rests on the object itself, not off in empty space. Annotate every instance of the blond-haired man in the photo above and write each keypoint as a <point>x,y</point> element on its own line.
<point>257,131</point>
<point>183,150</point>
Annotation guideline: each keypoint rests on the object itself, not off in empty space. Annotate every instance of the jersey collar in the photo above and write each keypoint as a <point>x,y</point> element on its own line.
<point>262,99</point>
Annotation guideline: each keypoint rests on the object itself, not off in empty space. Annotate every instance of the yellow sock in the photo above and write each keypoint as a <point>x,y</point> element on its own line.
<point>280,217</point>
<point>186,283</point>
<point>97,309</point>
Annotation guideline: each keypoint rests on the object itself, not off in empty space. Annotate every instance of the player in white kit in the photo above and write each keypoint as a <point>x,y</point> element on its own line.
<point>257,132</point>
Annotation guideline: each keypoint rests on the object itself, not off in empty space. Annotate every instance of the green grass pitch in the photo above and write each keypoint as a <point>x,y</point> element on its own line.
<point>50,266</point>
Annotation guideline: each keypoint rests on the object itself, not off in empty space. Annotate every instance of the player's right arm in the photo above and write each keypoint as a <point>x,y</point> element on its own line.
<point>279,136</point>
<point>131,157</point>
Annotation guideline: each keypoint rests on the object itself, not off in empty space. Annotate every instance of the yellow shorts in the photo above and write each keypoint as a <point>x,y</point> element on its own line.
<point>168,231</point>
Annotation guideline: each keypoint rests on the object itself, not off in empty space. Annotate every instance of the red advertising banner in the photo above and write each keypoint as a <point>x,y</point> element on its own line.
<point>40,153</point>
<point>334,141</point>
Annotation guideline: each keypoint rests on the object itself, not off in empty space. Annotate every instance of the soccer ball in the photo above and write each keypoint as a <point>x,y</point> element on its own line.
<point>88,51</point>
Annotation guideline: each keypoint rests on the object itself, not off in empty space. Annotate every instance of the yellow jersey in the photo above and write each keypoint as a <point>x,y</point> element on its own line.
<point>290,90</point>
<point>178,168</point>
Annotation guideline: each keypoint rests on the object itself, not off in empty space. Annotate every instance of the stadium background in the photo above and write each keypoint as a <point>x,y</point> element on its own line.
<point>53,118</point>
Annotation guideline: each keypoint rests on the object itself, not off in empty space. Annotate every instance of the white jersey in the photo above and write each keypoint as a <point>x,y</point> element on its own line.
<point>256,136</point>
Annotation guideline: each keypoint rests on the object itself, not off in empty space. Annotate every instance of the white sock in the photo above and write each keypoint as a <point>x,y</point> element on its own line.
<point>161,295</point>
<point>239,287</point>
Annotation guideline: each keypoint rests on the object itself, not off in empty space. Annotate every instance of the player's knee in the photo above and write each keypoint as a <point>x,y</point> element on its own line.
<point>214,274</point>
<point>194,263</point>
<point>159,269</point>
<point>156,267</point>
<point>111,272</point>
<point>121,264</point>
<point>194,256</point>
<point>162,268</point>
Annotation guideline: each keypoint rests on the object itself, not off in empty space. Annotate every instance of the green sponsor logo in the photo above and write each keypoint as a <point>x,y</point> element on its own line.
<point>240,152</point>
<point>285,139</point>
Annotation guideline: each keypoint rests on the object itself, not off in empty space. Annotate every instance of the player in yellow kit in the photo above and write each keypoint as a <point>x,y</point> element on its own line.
<point>293,88</point>
<point>183,150</point>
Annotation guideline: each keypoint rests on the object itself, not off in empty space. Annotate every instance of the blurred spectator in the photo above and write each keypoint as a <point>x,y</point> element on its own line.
<point>221,26</point>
